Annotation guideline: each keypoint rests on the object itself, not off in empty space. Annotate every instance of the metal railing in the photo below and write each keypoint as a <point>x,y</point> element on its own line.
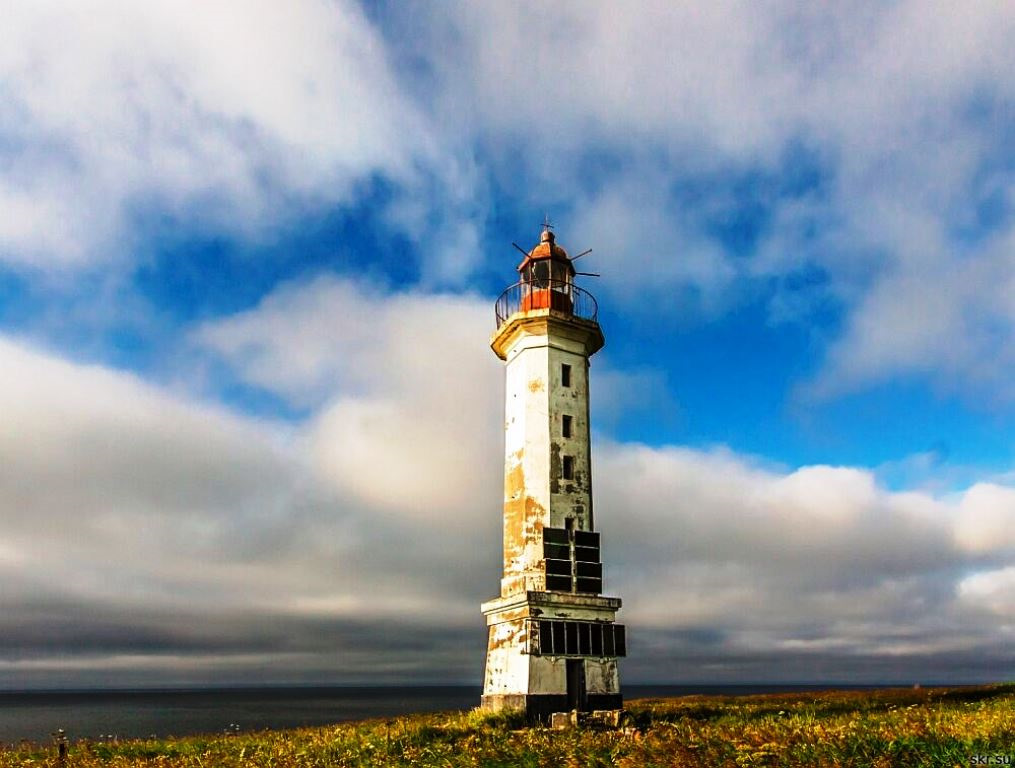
<point>557,295</point>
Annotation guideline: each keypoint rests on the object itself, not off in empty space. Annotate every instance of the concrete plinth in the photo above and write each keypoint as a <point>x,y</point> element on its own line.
<point>540,707</point>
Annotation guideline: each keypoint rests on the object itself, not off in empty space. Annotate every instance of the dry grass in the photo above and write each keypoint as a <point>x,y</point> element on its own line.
<point>897,727</point>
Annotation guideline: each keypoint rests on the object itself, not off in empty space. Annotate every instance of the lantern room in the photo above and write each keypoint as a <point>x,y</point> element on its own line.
<point>547,277</point>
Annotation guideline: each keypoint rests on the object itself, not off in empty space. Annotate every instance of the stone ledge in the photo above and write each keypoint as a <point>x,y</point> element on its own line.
<point>551,600</point>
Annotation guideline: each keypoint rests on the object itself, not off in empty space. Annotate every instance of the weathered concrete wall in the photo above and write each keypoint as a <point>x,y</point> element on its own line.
<point>569,498</point>
<point>512,669</point>
<point>548,674</point>
<point>536,493</point>
<point>602,676</point>
<point>507,660</point>
<point>526,463</point>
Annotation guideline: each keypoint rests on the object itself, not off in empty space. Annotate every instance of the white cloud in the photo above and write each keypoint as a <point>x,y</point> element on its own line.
<point>986,519</point>
<point>993,591</point>
<point>818,565</point>
<point>116,497</point>
<point>114,490</point>
<point>406,386</point>
<point>221,114</point>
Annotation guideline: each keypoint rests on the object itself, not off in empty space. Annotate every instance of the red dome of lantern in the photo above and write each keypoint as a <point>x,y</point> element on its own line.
<point>548,249</point>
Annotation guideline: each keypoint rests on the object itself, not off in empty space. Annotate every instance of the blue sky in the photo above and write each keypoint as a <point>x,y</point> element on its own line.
<point>248,260</point>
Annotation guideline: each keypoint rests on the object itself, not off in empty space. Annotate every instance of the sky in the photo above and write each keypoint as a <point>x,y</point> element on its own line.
<point>250,424</point>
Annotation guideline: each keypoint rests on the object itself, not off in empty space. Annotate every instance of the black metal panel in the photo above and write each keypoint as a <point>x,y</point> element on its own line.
<point>584,638</point>
<point>586,554</point>
<point>559,567</point>
<point>589,570</point>
<point>593,586</point>
<point>556,551</point>
<point>558,583</point>
<point>597,639</point>
<point>556,535</point>
<point>608,645</point>
<point>586,539</point>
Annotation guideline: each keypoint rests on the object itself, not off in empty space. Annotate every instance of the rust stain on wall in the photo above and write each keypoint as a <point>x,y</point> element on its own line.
<point>508,635</point>
<point>536,385</point>
<point>523,532</point>
<point>514,479</point>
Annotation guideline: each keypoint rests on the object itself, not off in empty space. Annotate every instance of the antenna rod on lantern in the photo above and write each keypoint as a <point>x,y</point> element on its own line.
<point>589,274</point>
<point>521,249</point>
<point>583,253</point>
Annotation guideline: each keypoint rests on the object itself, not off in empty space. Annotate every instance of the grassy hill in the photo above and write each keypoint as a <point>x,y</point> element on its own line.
<point>892,727</point>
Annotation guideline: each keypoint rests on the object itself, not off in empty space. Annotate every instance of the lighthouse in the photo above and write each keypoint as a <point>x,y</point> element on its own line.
<point>553,642</point>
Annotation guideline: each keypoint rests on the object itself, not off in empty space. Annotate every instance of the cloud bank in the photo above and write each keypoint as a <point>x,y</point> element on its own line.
<point>146,533</point>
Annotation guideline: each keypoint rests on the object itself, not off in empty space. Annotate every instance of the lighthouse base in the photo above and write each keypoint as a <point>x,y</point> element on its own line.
<point>552,652</point>
<point>539,707</point>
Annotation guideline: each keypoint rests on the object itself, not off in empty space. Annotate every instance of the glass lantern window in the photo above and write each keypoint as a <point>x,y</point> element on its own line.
<point>560,273</point>
<point>539,273</point>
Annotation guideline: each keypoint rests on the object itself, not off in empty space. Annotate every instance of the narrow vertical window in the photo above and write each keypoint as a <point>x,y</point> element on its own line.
<point>570,638</point>
<point>568,468</point>
<point>565,375</point>
<point>565,426</point>
<point>546,638</point>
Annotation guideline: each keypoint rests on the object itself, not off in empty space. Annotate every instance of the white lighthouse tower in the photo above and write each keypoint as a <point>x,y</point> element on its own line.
<point>553,643</point>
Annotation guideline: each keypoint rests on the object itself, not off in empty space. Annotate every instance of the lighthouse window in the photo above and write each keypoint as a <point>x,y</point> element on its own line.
<point>570,637</point>
<point>565,425</point>
<point>545,638</point>
<point>586,549</point>
<point>565,375</point>
<point>568,468</point>
<point>558,634</point>
<point>580,638</point>
<point>540,273</point>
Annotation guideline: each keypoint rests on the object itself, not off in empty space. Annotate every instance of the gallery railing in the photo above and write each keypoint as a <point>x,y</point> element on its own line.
<point>557,295</point>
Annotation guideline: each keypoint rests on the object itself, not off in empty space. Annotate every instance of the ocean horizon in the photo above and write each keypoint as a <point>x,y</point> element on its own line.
<point>123,713</point>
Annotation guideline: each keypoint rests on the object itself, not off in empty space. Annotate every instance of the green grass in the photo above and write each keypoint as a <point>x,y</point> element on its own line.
<point>892,727</point>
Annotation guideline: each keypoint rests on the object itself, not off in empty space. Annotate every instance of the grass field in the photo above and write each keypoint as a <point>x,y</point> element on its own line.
<point>893,727</point>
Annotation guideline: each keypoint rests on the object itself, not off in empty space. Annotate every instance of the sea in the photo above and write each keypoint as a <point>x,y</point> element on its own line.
<point>103,715</point>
